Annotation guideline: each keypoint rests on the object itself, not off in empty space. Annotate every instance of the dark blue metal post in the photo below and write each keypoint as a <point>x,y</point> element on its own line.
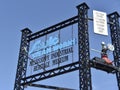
<point>115,37</point>
<point>83,43</point>
<point>22,60</point>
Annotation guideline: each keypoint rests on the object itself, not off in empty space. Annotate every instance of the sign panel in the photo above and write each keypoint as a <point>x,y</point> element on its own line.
<point>52,51</point>
<point>100,22</point>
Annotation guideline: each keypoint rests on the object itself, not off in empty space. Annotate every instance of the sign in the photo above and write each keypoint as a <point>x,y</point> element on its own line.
<point>50,53</point>
<point>100,22</point>
<point>52,59</point>
<point>52,44</point>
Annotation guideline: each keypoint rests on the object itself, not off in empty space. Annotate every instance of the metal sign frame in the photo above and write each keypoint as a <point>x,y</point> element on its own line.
<point>83,64</point>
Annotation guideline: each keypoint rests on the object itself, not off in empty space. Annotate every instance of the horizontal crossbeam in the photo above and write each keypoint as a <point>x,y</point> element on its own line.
<point>56,27</point>
<point>60,70</point>
<point>51,73</point>
<point>53,28</point>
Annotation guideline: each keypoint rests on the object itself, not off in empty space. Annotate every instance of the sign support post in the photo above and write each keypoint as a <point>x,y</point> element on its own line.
<point>115,36</point>
<point>22,60</point>
<point>83,47</point>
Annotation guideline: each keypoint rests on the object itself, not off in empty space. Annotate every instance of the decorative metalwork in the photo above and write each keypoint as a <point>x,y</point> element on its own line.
<point>115,37</point>
<point>54,28</point>
<point>83,42</point>
<point>83,64</point>
<point>51,73</point>
<point>22,61</point>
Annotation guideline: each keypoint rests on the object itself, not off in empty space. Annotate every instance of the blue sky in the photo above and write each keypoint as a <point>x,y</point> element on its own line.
<point>36,15</point>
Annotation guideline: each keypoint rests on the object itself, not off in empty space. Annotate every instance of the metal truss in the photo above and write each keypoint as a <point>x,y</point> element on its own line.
<point>115,37</point>
<point>54,28</point>
<point>83,67</point>
<point>22,60</point>
<point>84,63</point>
<point>50,73</point>
<point>83,44</point>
